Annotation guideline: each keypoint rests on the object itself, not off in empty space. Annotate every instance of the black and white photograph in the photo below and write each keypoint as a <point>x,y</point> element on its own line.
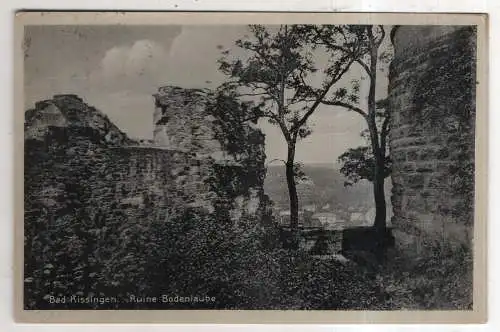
<point>281,166</point>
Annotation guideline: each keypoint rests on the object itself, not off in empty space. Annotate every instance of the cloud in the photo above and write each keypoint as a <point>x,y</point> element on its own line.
<point>188,60</point>
<point>127,74</point>
<point>194,53</point>
<point>141,66</point>
<point>123,82</point>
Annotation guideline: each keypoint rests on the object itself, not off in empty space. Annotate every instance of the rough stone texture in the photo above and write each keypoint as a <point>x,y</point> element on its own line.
<point>182,121</point>
<point>70,146</point>
<point>64,111</point>
<point>432,100</point>
<point>193,120</point>
<point>91,194</point>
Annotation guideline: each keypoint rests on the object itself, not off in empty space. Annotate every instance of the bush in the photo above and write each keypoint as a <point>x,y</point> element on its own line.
<point>440,277</point>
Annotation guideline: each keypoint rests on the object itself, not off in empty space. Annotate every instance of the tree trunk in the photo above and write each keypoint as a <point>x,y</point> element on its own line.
<point>379,193</point>
<point>378,151</point>
<point>292,191</point>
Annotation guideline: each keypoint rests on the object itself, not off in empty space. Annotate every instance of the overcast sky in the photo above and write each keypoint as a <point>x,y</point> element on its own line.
<point>118,68</point>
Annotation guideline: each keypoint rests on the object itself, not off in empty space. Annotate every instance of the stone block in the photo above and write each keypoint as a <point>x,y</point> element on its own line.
<point>399,155</point>
<point>425,167</point>
<point>409,167</point>
<point>412,155</point>
<point>415,181</point>
<point>443,153</point>
<point>427,153</point>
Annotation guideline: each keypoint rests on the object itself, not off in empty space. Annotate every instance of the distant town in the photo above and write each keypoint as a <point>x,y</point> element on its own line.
<point>314,216</point>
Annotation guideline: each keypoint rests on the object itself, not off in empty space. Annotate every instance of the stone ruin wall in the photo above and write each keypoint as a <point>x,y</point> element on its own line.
<point>183,122</point>
<point>426,200</point>
<point>68,143</point>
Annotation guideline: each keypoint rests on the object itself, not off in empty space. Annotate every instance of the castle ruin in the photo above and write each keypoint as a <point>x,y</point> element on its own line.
<point>432,103</point>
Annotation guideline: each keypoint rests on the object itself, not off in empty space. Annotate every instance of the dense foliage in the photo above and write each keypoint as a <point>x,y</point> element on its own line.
<point>279,75</point>
<point>83,240</point>
<point>358,164</point>
<point>372,162</point>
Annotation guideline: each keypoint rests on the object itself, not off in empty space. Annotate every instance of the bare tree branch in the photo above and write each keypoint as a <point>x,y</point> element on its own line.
<point>365,66</point>
<point>320,97</point>
<point>346,105</point>
<point>328,43</point>
<point>276,159</point>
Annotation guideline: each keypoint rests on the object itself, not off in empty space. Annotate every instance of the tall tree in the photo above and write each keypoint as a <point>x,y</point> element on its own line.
<point>278,72</point>
<point>369,58</point>
<point>359,163</point>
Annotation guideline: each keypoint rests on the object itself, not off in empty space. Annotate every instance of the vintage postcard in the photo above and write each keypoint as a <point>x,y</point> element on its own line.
<point>189,167</point>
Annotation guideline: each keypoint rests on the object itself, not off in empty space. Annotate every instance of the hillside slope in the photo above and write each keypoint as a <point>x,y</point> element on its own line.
<point>325,187</point>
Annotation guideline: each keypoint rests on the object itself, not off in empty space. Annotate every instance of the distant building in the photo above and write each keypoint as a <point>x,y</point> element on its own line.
<point>310,208</point>
<point>330,221</point>
<point>306,219</point>
<point>284,217</point>
<point>370,215</point>
<point>357,217</point>
<point>325,217</point>
<point>307,181</point>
